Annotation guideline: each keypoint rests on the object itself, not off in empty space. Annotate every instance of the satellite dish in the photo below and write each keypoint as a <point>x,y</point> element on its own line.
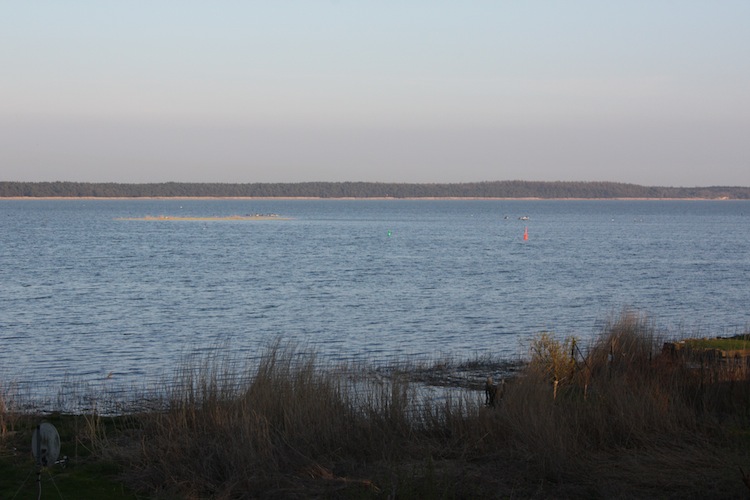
<point>45,444</point>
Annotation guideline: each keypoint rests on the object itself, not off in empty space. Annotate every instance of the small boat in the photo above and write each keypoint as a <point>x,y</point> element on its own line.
<point>525,217</point>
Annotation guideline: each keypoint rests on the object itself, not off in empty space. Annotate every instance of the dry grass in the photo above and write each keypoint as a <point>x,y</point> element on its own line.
<point>270,431</point>
<point>9,416</point>
<point>616,420</point>
<point>626,414</point>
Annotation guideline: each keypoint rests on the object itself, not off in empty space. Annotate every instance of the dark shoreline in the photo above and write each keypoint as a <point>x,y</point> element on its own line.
<point>425,198</point>
<point>513,189</point>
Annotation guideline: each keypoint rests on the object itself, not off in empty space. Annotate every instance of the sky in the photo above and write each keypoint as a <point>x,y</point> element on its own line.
<point>652,92</point>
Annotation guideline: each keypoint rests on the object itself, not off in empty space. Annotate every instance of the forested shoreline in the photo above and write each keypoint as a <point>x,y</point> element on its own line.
<point>489,189</point>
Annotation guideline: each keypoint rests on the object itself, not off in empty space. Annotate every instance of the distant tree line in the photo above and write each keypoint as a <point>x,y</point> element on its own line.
<point>495,189</point>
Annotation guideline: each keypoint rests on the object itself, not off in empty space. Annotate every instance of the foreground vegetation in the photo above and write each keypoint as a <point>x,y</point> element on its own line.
<point>613,419</point>
<point>496,189</point>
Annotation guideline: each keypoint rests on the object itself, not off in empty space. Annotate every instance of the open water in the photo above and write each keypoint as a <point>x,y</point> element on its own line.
<point>87,297</point>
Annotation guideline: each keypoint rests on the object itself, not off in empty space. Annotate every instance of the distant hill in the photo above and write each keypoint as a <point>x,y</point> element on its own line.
<point>494,189</point>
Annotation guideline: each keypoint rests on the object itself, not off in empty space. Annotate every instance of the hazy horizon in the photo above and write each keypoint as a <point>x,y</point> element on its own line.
<point>648,93</point>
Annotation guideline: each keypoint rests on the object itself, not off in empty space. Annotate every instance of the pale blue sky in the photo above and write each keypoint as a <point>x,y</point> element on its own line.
<point>651,92</point>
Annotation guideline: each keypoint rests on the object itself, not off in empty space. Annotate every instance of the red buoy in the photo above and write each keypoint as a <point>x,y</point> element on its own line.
<point>526,233</point>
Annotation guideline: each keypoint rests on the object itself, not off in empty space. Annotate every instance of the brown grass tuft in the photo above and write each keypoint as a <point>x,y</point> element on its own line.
<point>616,419</point>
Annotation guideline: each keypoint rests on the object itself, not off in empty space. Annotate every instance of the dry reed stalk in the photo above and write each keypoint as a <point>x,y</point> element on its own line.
<point>261,432</point>
<point>4,413</point>
<point>9,415</point>
<point>624,397</point>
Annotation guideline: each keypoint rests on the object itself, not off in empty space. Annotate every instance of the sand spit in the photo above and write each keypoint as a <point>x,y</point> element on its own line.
<point>215,218</point>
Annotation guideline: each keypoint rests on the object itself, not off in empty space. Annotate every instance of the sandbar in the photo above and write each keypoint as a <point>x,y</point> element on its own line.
<point>213,218</point>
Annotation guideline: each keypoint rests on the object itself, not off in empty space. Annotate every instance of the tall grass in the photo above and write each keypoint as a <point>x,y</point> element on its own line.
<point>6,415</point>
<point>224,433</point>
<point>624,398</point>
<point>617,418</point>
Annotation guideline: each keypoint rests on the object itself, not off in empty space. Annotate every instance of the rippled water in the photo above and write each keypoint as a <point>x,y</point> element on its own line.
<point>85,296</point>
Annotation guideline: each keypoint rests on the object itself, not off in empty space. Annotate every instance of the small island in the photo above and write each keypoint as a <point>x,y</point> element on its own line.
<point>206,219</point>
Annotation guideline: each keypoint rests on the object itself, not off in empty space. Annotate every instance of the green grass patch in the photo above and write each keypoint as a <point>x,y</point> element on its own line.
<point>724,344</point>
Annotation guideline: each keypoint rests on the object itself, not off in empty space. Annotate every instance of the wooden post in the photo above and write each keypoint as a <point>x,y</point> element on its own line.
<point>554,390</point>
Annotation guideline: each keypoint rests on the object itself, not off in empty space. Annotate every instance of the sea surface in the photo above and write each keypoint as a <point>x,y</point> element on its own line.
<point>87,297</point>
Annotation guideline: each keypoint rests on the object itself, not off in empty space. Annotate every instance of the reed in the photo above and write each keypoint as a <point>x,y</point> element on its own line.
<point>6,416</point>
<point>222,433</point>
<point>616,418</point>
<point>623,398</point>
<point>291,427</point>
